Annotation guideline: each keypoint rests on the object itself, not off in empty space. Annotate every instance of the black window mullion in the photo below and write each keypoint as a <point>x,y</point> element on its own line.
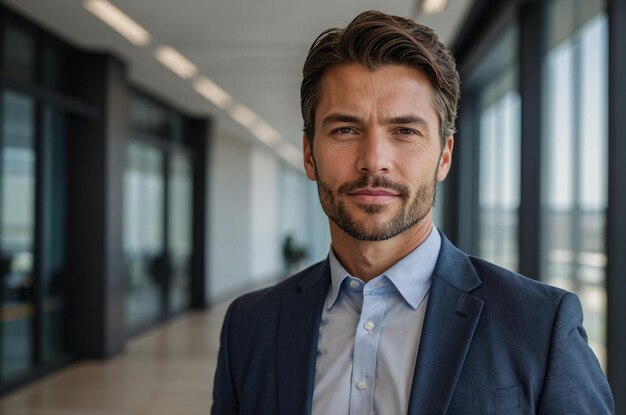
<point>37,322</point>
<point>166,271</point>
<point>38,244</point>
<point>616,220</point>
<point>2,286</point>
<point>530,73</point>
<point>576,219</point>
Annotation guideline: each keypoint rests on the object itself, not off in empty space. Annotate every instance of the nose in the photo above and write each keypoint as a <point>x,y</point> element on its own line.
<point>374,154</point>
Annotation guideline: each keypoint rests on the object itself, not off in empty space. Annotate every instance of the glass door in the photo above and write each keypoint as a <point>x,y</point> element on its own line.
<point>52,259</point>
<point>180,241</point>
<point>144,191</point>
<point>17,226</point>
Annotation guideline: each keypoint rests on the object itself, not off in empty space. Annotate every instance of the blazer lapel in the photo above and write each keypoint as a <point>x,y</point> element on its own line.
<point>297,342</point>
<point>451,318</point>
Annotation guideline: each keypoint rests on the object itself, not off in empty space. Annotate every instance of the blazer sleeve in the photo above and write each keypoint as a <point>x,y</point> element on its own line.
<point>574,382</point>
<point>225,397</point>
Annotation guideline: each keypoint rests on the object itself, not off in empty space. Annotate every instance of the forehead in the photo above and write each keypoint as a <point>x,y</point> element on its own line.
<point>391,88</point>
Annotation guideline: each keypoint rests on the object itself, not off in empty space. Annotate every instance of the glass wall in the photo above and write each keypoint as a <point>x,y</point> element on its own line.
<point>53,234</point>
<point>493,87</point>
<point>19,54</point>
<point>158,197</point>
<point>180,237</point>
<point>17,228</point>
<point>499,171</point>
<point>32,205</point>
<point>574,184</point>
<point>143,232</point>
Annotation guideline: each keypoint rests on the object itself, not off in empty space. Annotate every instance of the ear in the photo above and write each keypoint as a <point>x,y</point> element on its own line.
<point>309,160</point>
<point>445,161</point>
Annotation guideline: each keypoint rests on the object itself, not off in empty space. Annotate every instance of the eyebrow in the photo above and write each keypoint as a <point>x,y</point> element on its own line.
<point>337,118</point>
<point>402,119</point>
<point>406,119</point>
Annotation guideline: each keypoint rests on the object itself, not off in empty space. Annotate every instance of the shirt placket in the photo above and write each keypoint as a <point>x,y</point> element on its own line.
<point>364,358</point>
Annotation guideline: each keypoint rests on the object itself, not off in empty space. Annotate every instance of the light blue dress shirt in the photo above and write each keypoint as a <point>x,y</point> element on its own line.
<point>369,336</point>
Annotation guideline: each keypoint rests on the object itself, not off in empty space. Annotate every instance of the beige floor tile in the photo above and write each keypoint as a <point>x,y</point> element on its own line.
<point>168,370</point>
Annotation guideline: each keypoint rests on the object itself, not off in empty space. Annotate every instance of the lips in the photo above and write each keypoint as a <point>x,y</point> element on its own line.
<point>373,192</point>
<point>373,196</point>
<point>373,189</point>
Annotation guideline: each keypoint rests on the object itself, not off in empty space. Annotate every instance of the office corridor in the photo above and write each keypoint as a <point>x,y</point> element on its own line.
<point>167,370</point>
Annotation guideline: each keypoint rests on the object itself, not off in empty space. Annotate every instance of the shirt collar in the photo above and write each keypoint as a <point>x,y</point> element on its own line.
<point>337,274</point>
<point>411,275</point>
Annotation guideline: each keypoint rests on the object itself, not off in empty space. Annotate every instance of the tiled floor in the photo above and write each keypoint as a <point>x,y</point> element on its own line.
<point>166,371</point>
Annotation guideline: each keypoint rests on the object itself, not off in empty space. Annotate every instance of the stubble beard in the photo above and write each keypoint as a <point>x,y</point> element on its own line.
<point>410,212</point>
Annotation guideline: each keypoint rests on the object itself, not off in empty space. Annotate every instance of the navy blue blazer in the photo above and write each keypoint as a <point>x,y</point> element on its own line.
<point>493,342</point>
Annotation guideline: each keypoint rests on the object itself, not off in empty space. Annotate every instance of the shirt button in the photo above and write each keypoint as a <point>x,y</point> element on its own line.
<point>361,385</point>
<point>354,284</point>
<point>369,325</point>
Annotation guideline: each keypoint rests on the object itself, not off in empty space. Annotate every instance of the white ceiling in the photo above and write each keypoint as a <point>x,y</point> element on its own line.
<point>252,49</point>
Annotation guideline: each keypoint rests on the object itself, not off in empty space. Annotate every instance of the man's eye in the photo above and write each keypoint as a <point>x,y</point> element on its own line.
<point>406,131</point>
<point>343,130</point>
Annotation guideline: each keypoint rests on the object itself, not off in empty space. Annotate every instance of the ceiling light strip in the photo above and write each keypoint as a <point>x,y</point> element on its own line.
<point>265,133</point>
<point>175,62</point>
<point>290,154</point>
<point>243,115</point>
<point>433,6</point>
<point>212,92</point>
<point>118,21</point>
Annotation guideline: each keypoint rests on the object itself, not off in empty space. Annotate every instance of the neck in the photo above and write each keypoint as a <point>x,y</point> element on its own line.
<point>369,259</point>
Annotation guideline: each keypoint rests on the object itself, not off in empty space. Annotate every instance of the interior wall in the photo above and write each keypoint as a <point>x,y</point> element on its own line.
<point>302,217</point>
<point>229,220</point>
<point>265,241</point>
<point>318,232</point>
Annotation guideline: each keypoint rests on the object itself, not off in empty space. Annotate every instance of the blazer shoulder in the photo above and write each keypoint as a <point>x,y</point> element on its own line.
<point>270,297</point>
<point>511,285</point>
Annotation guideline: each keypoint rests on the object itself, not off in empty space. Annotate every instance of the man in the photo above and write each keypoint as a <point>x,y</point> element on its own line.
<point>397,320</point>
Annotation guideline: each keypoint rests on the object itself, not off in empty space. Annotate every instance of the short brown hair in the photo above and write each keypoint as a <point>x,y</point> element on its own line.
<point>374,39</point>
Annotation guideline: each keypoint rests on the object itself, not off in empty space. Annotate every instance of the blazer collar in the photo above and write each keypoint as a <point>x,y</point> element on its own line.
<point>454,267</point>
<point>451,318</point>
<point>298,329</point>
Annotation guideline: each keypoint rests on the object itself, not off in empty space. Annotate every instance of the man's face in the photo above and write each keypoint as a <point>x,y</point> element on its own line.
<point>376,154</point>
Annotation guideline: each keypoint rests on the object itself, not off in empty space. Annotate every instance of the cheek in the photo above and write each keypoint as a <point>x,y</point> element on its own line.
<point>419,169</point>
<point>333,162</point>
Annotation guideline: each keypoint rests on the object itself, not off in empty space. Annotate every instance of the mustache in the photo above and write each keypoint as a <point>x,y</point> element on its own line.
<point>373,181</point>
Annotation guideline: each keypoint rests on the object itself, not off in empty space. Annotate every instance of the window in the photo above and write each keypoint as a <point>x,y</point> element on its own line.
<point>180,237</point>
<point>574,183</point>
<point>158,214</point>
<point>499,171</point>
<point>19,54</point>
<point>143,233</point>
<point>53,234</point>
<point>32,204</point>
<point>17,226</point>
<point>492,90</point>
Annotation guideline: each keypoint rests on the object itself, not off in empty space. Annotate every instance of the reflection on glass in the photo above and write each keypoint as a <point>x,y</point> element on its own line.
<point>53,68</point>
<point>180,237</point>
<point>53,234</point>
<point>148,117</point>
<point>17,196</point>
<point>143,233</point>
<point>19,54</point>
<point>499,170</point>
<point>574,194</point>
